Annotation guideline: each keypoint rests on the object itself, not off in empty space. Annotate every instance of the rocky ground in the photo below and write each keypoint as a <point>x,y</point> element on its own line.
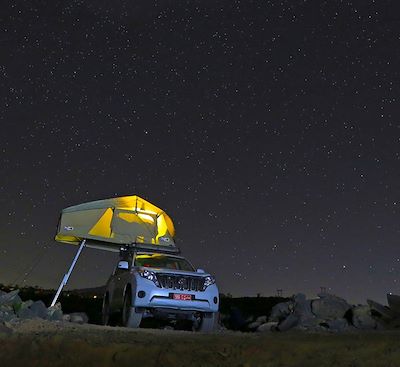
<point>38,342</point>
<point>326,331</point>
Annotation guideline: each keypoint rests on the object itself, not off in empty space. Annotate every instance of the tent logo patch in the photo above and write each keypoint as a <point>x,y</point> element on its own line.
<point>69,228</point>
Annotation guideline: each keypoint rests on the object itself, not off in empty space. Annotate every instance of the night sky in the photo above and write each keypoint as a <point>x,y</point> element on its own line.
<point>268,130</point>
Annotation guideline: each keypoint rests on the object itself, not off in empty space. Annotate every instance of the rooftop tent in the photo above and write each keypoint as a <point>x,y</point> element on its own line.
<point>108,224</point>
<point>113,223</point>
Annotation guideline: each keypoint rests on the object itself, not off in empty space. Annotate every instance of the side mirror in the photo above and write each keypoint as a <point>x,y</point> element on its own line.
<point>201,271</point>
<point>124,265</point>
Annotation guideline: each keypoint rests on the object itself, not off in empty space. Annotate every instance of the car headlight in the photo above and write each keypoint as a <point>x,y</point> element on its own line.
<point>208,280</point>
<point>149,275</point>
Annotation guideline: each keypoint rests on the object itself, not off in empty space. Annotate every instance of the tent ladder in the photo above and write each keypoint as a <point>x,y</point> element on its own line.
<point>66,276</point>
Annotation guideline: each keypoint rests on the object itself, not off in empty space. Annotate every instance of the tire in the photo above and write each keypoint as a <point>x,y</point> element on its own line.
<point>130,318</point>
<point>105,312</point>
<point>208,322</point>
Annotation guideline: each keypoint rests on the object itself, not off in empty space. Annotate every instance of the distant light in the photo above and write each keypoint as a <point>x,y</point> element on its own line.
<point>94,296</point>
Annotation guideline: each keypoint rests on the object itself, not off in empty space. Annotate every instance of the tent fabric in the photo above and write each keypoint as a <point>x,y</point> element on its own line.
<point>122,220</point>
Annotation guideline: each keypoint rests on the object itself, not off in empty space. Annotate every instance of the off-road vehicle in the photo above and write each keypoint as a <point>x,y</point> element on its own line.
<point>161,286</point>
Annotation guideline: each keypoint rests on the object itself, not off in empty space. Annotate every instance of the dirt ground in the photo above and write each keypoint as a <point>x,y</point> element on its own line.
<point>41,343</point>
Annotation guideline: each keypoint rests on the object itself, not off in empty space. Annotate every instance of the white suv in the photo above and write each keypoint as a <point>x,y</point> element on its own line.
<point>163,286</point>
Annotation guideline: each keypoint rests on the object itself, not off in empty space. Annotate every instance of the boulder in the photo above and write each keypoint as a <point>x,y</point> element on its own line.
<point>262,319</point>
<point>7,308</point>
<point>280,311</point>
<point>362,319</point>
<point>381,311</point>
<point>10,298</point>
<point>39,309</point>
<point>336,325</point>
<point>253,325</point>
<point>308,324</point>
<point>267,327</point>
<point>79,317</point>
<point>394,302</point>
<point>6,316</point>
<point>290,322</point>
<point>26,313</point>
<point>301,317</point>
<point>54,313</point>
<point>329,307</point>
<point>23,311</point>
<point>302,307</point>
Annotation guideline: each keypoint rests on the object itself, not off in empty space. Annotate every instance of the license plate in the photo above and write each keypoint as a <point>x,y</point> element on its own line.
<point>182,297</point>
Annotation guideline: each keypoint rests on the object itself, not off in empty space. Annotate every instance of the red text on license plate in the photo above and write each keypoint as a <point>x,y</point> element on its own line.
<point>182,297</point>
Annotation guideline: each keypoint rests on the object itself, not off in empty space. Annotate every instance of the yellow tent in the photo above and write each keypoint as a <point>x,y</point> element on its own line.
<point>110,223</point>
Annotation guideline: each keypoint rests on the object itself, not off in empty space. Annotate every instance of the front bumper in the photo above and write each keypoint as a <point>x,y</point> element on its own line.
<point>155,297</point>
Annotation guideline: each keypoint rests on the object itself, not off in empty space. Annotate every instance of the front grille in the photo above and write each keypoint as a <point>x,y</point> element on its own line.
<point>181,282</point>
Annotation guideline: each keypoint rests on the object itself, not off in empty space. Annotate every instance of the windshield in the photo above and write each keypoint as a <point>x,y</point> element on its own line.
<point>162,261</point>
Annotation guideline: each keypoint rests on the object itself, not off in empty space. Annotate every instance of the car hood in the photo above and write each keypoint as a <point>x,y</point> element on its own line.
<point>173,271</point>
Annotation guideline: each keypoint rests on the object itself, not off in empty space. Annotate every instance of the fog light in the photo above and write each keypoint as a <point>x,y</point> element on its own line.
<point>141,294</point>
<point>215,300</point>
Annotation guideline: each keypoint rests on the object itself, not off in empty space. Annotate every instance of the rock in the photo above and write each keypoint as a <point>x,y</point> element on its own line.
<point>23,305</point>
<point>267,327</point>
<point>384,316</point>
<point>10,298</point>
<point>24,311</point>
<point>262,319</point>
<point>362,318</point>
<point>290,322</point>
<point>309,324</point>
<point>280,311</point>
<point>394,302</point>
<point>6,314</point>
<point>253,325</point>
<point>302,307</point>
<point>7,308</point>
<point>39,309</point>
<point>79,317</point>
<point>66,318</point>
<point>381,311</point>
<point>329,307</point>
<point>336,325</point>
<point>301,317</point>
<point>54,313</point>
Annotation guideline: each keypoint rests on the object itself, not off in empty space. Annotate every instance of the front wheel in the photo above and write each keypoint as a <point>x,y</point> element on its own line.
<point>130,318</point>
<point>208,322</point>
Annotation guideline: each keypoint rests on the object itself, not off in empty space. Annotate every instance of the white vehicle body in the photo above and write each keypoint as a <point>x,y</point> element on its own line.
<point>165,286</point>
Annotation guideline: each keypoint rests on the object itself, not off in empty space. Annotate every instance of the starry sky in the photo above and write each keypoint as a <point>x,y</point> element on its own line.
<point>268,130</point>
